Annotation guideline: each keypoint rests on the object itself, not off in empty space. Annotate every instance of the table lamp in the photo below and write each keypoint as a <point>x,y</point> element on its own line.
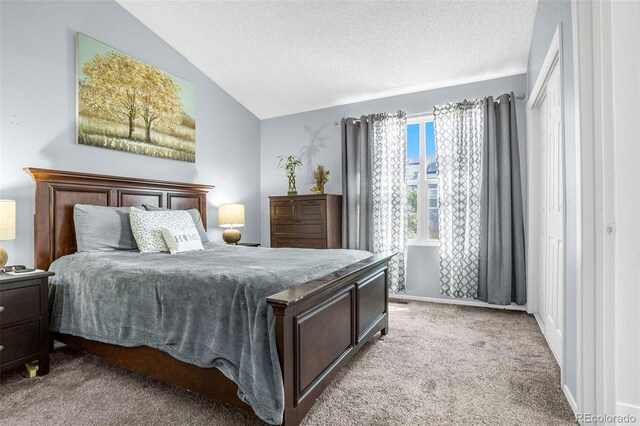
<point>7,226</point>
<point>230,215</point>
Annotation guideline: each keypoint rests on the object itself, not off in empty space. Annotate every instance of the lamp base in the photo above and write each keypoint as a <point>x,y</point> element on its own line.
<point>231,236</point>
<point>3,257</point>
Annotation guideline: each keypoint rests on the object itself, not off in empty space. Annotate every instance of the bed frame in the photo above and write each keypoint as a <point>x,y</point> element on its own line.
<point>320,324</point>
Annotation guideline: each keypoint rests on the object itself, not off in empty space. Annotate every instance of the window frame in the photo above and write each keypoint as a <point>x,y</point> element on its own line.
<point>422,183</point>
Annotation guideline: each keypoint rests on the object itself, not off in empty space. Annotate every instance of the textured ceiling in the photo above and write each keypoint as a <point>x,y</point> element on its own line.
<point>283,57</point>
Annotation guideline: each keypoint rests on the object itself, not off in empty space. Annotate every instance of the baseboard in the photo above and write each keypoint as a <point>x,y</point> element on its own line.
<point>570,399</point>
<point>542,330</point>
<point>623,408</point>
<point>540,323</point>
<point>456,302</point>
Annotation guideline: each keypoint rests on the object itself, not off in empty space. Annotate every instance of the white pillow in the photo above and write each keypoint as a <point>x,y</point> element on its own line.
<point>179,240</point>
<point>147,227</point>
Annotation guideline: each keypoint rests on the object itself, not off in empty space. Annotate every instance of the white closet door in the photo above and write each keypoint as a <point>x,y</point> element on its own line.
<point>554,244</point>
<point>541,118</point>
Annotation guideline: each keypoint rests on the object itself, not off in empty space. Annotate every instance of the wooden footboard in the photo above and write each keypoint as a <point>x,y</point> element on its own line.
<point>320,325</point>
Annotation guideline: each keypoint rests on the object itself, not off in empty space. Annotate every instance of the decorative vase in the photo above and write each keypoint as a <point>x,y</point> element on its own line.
<point>290,163</point>
<point>292,185</point>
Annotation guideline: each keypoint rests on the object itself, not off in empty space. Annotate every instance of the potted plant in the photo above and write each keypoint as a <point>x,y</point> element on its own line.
<point>290,163</point>
<point>320,178</point>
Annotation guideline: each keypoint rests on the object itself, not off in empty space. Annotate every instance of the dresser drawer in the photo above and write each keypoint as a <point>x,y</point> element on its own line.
<point>20,341</point>
<point>20,304</point>
<point>311,209</point>
<point>282,210</point>
<point>298,230</point>
<point>299,243</point>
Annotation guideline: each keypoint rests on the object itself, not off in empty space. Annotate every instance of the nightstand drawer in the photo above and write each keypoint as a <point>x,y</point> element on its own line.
<point>20,341</point>
<point>19,304</point>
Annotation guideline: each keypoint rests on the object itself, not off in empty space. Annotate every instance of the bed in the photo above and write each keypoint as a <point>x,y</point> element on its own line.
<point>322,310</point>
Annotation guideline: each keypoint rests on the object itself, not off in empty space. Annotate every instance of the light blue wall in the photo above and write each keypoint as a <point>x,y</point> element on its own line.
<point>291,133</point>
<point>38,113</point>
<point>548,16</point>
<point>236,152</point>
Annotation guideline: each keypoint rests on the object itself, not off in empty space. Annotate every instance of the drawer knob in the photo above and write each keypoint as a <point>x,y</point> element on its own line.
<point>1,348</point>
<point>1,309</point>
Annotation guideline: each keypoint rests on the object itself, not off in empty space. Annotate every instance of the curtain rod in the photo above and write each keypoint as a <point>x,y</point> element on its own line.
<point>519,96</point>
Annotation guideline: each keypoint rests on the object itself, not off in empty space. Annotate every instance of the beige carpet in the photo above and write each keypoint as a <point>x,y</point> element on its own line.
<point>440,364</point>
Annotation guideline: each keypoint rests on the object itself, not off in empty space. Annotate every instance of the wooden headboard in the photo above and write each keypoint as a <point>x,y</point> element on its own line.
<point>58,191</point>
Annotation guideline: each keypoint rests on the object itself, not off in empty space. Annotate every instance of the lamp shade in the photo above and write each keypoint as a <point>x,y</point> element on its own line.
<point>231,215</point>
<point>7,219</point>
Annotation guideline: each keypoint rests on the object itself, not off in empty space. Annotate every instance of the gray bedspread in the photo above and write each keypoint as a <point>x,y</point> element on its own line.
<point>206,308</point>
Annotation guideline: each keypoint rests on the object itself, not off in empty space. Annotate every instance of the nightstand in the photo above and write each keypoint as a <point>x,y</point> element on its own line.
<point>24,320</point>
<point>248,244</point>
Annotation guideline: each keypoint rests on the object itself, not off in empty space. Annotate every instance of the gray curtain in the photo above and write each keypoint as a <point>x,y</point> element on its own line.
<point>374,158</point>
<point>502,253</point>
<point>357,199</point>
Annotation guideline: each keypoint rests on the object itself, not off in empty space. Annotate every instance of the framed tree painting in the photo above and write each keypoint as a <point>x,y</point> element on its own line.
<point>128,105</point>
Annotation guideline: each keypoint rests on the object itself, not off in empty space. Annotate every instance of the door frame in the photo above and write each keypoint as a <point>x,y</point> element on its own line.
<point>592,38</point>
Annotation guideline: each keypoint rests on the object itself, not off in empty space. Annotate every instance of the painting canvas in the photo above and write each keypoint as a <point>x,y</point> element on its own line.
<point>128,105</point>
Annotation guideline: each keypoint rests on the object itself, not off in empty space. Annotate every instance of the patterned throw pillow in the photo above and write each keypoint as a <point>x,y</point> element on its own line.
<point>147,227</point>
<point>195,215</point>
<point>179,240</point>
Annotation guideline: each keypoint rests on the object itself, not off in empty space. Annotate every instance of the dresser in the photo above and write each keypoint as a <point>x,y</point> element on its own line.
<point>24,320</point>
<point>306,221</point>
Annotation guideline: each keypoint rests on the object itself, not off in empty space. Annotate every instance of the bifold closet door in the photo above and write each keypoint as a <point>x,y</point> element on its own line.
<point>554,242</point>
<point>547,205</point>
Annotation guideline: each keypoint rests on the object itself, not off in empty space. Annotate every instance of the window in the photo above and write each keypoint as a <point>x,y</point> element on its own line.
<point>422,182</point>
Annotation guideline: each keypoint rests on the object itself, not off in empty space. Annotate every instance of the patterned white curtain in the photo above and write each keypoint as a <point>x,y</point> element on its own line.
<point>458,134</point>
<point>389,162</point>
